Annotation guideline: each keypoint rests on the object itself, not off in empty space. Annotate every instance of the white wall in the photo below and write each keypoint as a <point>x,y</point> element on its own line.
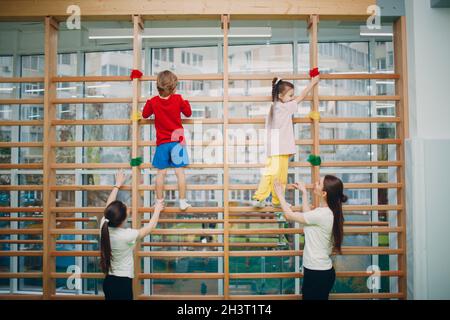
<point>428,151</point>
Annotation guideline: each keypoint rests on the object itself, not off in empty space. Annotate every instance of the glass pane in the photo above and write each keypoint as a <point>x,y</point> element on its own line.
<point>8,90</point>
<point>336,57</point>
<point>29,37</point>
<point>32,90</point>
<point>260,58</point>
<point>6,66</point>
<point>384,56</point>
<point>32,66</point>
<point>67,64</point>
<point>194,60</point>
<point>262,286</point>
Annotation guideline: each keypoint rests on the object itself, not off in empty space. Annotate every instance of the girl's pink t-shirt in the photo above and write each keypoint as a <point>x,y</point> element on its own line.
<point>280,131</point>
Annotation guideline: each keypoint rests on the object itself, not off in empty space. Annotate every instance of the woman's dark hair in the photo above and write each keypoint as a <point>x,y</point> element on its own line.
<point>277,88</point>
<point>334,188</point>
<point>116,213</point>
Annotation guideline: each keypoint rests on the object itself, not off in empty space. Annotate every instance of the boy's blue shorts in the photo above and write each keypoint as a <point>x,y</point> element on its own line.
<point>170,155</point>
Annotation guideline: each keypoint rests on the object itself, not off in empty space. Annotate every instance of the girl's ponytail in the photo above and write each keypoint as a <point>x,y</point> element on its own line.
<point>105,249</point>
<point>275,91</point>
<point>334,188</point>
<point>275,88</point>
<point>115,214</point>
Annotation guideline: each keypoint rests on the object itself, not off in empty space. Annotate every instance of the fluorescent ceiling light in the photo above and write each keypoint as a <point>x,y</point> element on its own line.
<point>385,82</point>
<point>98,86</point>
<point>7,89</point>
<point>386,31</point>
<point>376,34</point>
<point>66,88</point>
<point>181,33</point>
<point>346,72</point>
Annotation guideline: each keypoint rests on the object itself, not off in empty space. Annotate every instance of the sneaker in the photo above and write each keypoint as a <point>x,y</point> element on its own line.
<point>184,204</point>
<point>258,204</point>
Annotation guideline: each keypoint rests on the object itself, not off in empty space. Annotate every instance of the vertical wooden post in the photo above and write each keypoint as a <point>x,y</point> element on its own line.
<point>313,61</point>
<point>226,247</point>
<point>401,89</point>
<point>49,175</point>
<point>138,27</point>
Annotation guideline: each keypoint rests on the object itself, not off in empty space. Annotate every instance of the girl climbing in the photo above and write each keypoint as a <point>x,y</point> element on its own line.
<point>280,145</point>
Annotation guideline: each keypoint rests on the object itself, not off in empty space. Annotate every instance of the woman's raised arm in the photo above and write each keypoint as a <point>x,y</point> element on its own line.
<point>288,213</point>
<point>145,231</point>
<point>120,179</point>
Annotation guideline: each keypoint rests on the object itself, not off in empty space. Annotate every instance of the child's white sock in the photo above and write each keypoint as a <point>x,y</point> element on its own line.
<point>184,204</point>
<point>259,203</point>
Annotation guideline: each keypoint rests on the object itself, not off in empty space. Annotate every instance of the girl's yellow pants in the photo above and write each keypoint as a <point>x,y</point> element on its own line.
<point>276,169</point>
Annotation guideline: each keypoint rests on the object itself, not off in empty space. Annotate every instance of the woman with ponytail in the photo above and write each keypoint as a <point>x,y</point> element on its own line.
<point>280,141</point>
<point>324,233</point>
<point>117,243</point>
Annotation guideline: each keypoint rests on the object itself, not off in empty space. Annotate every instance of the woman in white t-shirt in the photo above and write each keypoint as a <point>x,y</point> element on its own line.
<point>324,232</point>
<point>117,243</point>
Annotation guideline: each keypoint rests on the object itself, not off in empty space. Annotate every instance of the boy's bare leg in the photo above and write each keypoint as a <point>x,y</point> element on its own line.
<point>160,179</point>
<point>181,178</point>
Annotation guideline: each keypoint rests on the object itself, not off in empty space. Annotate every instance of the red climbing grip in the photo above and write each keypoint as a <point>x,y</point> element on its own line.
<point>135,74</point>
<point>314,72</point>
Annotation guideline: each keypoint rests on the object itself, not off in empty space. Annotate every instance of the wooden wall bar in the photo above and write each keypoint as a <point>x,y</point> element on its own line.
<point>138,28</point>
<point>313,25</point>
<point>228,218</point>
<point>49,264</point>
<point>226,238</point>
<point>401,89</point>
<point>179,9</point>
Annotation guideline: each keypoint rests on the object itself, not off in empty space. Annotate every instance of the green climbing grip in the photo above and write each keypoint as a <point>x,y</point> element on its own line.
<point>136,162</point>
<point>314,160</point>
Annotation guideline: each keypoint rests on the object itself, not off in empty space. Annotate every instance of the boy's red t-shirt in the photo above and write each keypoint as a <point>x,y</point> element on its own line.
<point>167,117</point>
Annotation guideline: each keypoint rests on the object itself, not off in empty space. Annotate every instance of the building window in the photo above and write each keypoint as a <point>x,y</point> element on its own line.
<point>163,54</point>
<point>381,64</point>
<point>188,58</point>
<point>171,55</point>
<point>113,70</point>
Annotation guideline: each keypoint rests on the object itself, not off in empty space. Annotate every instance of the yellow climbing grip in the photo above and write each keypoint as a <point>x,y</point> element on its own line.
<point>136,116</point>
<point>314,115</point>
